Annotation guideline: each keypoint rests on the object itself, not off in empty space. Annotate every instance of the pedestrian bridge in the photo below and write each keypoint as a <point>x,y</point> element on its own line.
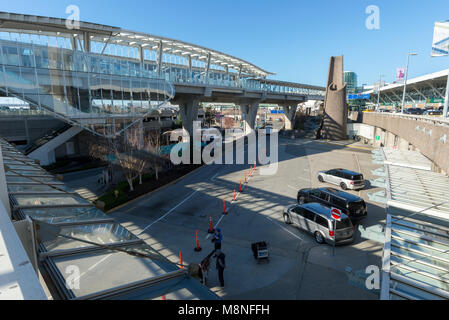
<point>105,79</point>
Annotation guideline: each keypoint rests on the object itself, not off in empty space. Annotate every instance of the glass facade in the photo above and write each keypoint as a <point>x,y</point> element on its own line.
<point>86,88</point>
<point>81,85</point>
<point>350,79</point>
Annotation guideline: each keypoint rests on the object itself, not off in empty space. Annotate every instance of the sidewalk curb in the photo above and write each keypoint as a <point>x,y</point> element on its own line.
<point>343,145</point>
<point>156,190</point>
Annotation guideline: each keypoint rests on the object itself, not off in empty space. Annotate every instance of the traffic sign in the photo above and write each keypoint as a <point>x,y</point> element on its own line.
<point>336,214</point>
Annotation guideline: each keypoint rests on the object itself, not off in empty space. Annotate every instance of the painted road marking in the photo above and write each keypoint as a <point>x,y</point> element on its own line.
<point>360,168</point>
<point>218,223</point>
<point>171,210</point>
<point>296,236</point>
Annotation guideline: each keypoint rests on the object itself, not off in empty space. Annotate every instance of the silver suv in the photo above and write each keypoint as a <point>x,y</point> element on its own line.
<point>344,178</point>
<point>316,219</point>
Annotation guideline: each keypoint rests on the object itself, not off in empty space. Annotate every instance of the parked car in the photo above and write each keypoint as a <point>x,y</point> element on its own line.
<point>433,113</point>
<point>316,219</point>
<point>416,111</point>
<point>354,207</point>
<point>346,179</point>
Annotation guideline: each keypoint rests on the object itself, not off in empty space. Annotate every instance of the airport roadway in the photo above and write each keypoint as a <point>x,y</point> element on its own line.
<point>299,268</point>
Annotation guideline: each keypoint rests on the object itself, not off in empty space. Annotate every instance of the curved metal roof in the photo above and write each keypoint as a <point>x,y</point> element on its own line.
<point>114,35</point>
<point>440,76</point>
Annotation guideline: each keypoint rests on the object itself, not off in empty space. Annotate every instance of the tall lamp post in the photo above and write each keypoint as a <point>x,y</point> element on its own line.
<point>406,78</point>
<point>378,92</point>
<point>362,104</point>
<point>446,100</point>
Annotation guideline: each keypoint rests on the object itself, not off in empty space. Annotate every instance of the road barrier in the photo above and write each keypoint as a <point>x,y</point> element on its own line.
<point>211,226</point>
<point>197,248</point>
<point>224,206</point>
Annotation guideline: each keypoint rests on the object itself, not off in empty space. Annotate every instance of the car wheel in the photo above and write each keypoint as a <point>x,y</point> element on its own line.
<point>320,179</point>
<point>287,219</point>
<point>301,200</point>
<point>343,186</point>
<point>319,238</point>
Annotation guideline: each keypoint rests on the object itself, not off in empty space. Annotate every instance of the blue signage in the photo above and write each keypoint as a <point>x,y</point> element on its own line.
<point>359,96</point>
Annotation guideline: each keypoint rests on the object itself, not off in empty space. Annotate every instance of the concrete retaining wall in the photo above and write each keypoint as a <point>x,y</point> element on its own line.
<point>429,137</point>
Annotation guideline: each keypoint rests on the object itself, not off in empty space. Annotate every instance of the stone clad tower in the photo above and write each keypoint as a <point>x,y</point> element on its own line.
<point>335,121</point>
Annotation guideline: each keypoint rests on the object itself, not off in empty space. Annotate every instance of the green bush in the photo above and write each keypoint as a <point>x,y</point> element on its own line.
<point>111,201</point>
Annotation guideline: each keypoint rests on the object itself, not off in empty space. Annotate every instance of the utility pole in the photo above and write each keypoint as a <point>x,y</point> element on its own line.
<point>378,92</point>
<point>406,78</point>
<point>446,99</point>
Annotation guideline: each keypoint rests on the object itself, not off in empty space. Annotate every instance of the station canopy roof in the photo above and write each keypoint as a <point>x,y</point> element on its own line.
<point>434,79</point>
<point>20,23</point>
<point>416,254</point>
<point>113,262</point>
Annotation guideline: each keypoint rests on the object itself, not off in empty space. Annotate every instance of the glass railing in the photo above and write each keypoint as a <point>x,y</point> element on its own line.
<point>67,83</point>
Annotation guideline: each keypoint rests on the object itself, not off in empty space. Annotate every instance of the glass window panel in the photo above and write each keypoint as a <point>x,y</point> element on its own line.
<point>16,172</point>
<point>48,200</point>
<point>109,269</point>
<point>417,238</point>
<point>428,259</point>
<point>105,233</point>
<point>400,242</point>
<point>179,288</point>
<point>65,215</point>
<point>35,180</point>
<point>10,54</point>
<point>419,277</point>
<point>22,167</point>
<point>35,188</point>
<point>412,263</point>
<point>412,291</point>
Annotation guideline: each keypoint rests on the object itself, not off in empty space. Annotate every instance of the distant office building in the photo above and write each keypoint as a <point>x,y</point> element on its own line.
<point>350,79</point>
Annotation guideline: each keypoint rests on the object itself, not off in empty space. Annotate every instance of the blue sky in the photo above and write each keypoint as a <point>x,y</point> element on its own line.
<point>293,38</point>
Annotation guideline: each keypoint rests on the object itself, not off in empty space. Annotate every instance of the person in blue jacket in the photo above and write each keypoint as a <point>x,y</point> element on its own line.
<point>218,238</point>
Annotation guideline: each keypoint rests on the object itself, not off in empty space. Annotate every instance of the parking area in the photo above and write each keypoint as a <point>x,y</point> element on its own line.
<point>299,268</point>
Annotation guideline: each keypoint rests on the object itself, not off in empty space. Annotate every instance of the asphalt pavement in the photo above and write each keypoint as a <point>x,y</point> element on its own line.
<point>298,267</point>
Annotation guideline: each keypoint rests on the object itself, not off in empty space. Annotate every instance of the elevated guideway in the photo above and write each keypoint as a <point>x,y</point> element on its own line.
<point>105,78</point>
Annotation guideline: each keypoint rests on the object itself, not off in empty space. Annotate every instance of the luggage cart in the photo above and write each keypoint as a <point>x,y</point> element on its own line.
<point>260,251</point>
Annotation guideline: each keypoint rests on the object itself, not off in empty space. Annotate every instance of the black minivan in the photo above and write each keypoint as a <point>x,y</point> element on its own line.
<point>354,207</point>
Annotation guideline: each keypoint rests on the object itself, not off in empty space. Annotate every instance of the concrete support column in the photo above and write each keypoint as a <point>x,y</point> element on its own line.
<point>389,143</point>
<point>249,114</point>
<point>86,39</point>
<point>403,144</point>
<point>188,110</point>
<point>378,132</point>
<point>290,114</point>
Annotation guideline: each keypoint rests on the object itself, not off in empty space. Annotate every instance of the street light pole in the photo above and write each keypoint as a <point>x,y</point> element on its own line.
<point>406,78</point>
<point>378,93</point>
<point>446,99</point>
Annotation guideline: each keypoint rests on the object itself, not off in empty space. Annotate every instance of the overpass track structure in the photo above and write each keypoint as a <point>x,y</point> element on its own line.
<point>106,78</point>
